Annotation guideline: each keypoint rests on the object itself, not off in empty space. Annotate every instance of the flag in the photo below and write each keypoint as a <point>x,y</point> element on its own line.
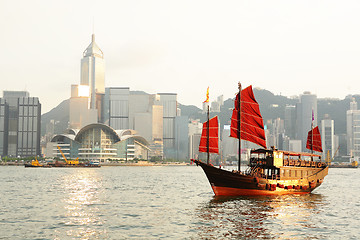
<point>207,95</point>
<point>313,114</point>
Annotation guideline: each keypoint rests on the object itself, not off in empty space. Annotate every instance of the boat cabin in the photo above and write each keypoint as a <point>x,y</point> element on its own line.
<point>277,164</point>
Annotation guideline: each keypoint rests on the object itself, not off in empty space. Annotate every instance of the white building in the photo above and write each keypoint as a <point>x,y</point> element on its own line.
<point>328,137</point>
<point>353,130</point>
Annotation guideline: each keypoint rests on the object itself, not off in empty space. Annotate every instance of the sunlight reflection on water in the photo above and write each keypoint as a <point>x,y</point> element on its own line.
<point>81,194</point>
<point>259,217</point>
<point>168,203</point>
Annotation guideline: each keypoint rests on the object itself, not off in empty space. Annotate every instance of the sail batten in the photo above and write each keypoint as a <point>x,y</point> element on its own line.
<point>314,140</point>
<point>213,138</point>
<point>251,121</point>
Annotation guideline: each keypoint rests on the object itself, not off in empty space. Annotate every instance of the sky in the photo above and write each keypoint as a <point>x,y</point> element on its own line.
<point>183,47</point>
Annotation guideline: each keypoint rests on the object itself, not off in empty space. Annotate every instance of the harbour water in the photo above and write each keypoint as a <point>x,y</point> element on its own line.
<point>169,202</point>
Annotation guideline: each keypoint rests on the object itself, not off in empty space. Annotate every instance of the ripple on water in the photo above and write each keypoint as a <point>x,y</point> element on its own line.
<point>168,203</point>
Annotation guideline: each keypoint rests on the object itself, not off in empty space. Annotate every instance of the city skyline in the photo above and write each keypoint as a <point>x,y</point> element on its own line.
<point>183,47</point>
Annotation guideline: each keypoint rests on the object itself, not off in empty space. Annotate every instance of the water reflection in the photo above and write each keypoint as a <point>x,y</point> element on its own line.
<point>82,196</point>
<point>260,217</point>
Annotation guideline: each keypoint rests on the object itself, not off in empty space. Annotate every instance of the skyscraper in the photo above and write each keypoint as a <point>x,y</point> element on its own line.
<point>353,130</point>
<point>4,122</point>
<point>116,107</point>
<point>93,73</point>
<point>169,103</point>
<point>290,116</point>
<point>86,102</point>
<point>328,137</point>
<point>21,128</point>
<point>306,114</point>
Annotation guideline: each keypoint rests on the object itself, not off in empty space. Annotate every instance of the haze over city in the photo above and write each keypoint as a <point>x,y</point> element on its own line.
<point>286,47</point>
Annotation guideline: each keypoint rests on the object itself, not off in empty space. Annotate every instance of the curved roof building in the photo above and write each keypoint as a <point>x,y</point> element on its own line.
<point>100,142</point>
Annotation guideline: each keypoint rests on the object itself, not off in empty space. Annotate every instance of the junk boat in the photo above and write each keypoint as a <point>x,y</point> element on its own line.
<point>271,171</point>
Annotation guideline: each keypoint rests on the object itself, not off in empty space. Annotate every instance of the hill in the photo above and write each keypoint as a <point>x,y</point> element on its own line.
<point>271,107</point>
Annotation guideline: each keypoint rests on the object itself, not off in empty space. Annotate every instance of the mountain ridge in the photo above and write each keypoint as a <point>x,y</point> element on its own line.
<point>271,106</point>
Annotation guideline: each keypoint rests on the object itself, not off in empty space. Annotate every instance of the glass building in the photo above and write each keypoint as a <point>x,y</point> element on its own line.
<point>353,131</point>
<point>328,137</point>
<point>20,120</point>
<point>169,103</point>
<point>4,121</point>
<point>304,111</point>
<point>100,142</point>
<point>116,107</point>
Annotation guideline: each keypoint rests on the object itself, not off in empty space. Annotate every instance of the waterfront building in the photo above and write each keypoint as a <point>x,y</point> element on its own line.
<point>79,112</point>
<point>290,120</point>
<point>353,130</point>
<point>216,105</point>
<point>4,122</point>
<point>182,137</point>
<point>194,142</point>
<point>194,135</point>
<point>20,121</point>
<point>116,107</point>
<point>295,145</point>
<point>328,137</point>
<point>306,109</point>
<point>169,103</point>
<point>93,74</point>
<point>86,102</point>
<point>99,142</point>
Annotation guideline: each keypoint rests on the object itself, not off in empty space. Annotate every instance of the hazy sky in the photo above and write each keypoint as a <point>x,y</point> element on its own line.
<point>287,47</point>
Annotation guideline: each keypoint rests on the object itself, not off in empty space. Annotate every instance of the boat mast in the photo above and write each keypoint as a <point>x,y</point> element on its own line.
<point>208,133</point>
<point>239,125</point>
<point>312,132</point>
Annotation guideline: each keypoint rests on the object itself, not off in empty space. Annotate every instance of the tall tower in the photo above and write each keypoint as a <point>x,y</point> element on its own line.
<point>93,75</point>
<point>304,111</point>
<point>353,130</point>
<point>328,136</point>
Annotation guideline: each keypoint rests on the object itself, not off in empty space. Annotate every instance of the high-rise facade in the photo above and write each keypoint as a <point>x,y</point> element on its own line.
<point>93,73</point>
<point>306,116</point>
<point>290,116</point>
<point>21,129</point>
<point>116,107</point>
<point>328,137</point>
<point>169,103</point>
<point>182,137</point>
<point>87,98</point>
<point>353,130</point>
<point>4,121</point>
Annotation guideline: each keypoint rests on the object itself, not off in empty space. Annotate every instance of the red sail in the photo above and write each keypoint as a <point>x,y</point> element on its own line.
<point>314,140</point>
<point>213,136</point>
<point>252,126</point>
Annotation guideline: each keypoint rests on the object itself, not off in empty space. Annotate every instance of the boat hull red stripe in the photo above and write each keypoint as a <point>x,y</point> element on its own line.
<point>226,191</point>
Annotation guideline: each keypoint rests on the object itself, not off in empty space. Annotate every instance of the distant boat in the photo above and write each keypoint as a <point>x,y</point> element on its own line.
<point>271,171</point>
<point>35,163</point>
<point>73,163</point>
<point>351,164</point>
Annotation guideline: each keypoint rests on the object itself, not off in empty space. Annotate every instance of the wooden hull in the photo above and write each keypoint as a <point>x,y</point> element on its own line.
<point>226,183</point>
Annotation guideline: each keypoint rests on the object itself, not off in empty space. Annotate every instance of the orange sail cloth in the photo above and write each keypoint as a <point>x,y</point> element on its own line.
<point>252,126</point>
<point>314,140</point>
<point>213,136</point>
